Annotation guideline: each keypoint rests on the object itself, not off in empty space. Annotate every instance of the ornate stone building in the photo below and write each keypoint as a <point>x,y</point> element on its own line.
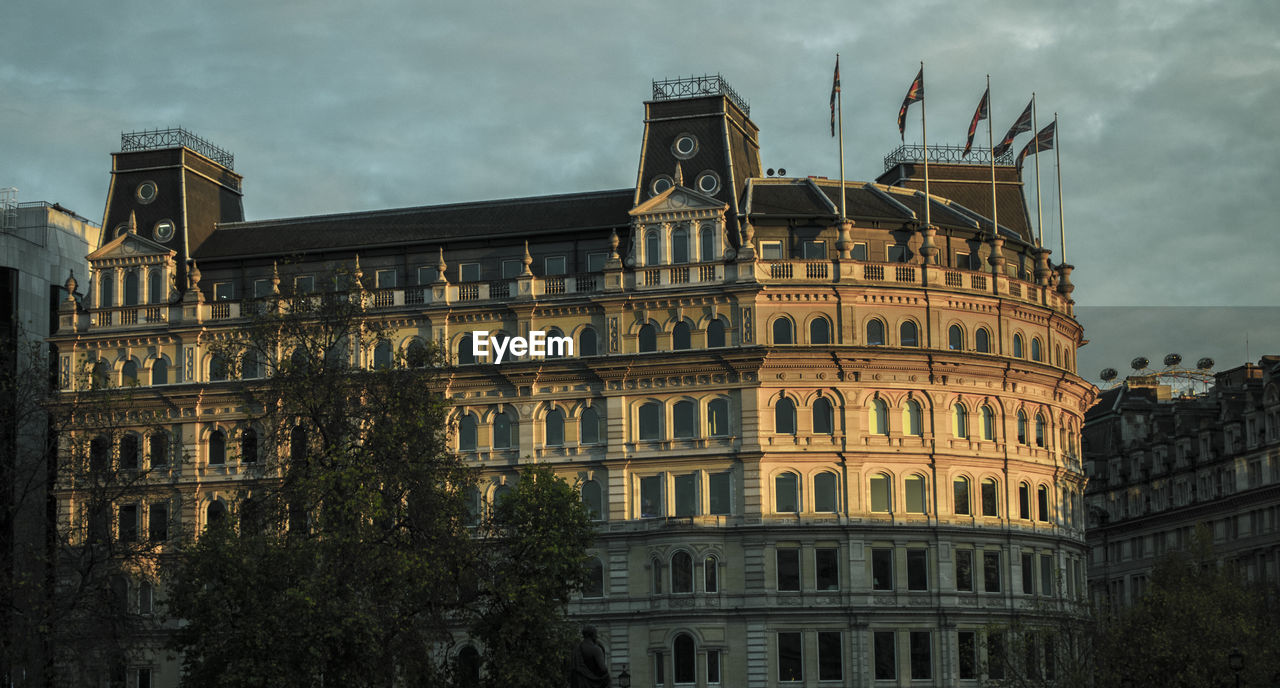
<point>1160,466</point>
<point>820,452</point>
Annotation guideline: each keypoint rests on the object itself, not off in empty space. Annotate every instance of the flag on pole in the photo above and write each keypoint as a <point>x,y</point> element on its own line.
<point>835,89</point>
<point>978,115</point>
<point>1023,124</point>
<point>1042,142</point>
<point>914,94</point>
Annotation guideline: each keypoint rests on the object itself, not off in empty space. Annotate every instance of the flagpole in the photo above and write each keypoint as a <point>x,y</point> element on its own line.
<point>1035,128</point>
<point>924,135</point>
<point>1057,154</point>
<point>995,211</point>
<point>840,128</point>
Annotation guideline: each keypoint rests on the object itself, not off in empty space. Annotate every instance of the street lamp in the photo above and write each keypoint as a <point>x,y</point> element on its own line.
<point>624,678</point>
<point>1235,660</point>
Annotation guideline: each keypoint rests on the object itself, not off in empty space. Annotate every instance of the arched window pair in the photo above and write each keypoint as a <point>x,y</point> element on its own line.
<point>505,432</point>
<point>588,425</point>
<point>784,417</point>
<point>681,336</point>
<point>786,493</point>
<point>981,339</point>
<point>217,446</point>
<point>878,418</point>
<point>908,333</point>
<point>988,491</point>
<point>960,422</point>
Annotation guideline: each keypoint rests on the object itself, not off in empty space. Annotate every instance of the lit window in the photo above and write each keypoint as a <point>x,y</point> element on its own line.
<point>916,494</point>
<point>880,497</point>
<point>718,418</point>
<point>912,418</point>
<point>878,417</point>
<point>988,424</point>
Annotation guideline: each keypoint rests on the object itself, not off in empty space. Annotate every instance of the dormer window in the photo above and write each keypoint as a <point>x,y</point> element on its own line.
<point>659,184</point>
<point>163,231</point>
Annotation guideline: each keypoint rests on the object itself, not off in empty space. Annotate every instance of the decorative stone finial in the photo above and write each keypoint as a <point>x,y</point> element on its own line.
<point>1042,266</point>
<point>441,267</point>
<point>357,274</point>
<point>193,276</point>
<point>71,285</point>
<point>1065,287</point>
<point>133,222</point>
<point>613,244</point>
<point>679,175</point>
<point>528,261</point>
<point>928,249</point>
<point>275,278</point>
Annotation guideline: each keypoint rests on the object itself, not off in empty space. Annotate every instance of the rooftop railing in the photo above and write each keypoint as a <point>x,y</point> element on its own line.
<point>157,139</point>
<point>694,86</point>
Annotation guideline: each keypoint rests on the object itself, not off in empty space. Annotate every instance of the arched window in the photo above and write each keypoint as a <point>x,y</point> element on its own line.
<point>881,501</point>
<point>1024,501</point>
<point>215,513</point>
<point>250,365</point>
<point>468,667</point>
<point>467,433</point>
<point>784,417</point>
<point>500,493</point>
<point>217,447</point>
<point>715,334</point>
<point>382,354</point>
<point>1017,346</point>
<point>682,652</point>
<point>960,498</point>
<point>819,331</point>
<point>1022,427</point>
<point>988,424</point>
<point>990,503</point>
<point>710,575</point>
<point>786,493</point>
<point>648,340</point>
<point>824,493</point>
<point>99,454</point>
<point>681,572</point>
<point>680,339</point>
<point>955,338</point>
<point>875,332</point>
<point>655,569</point>
<point>652,249</point>
<point>1042,503</point>
<point>823,417</point>
<point>106,292</point>
<point>557,350</point>
<point>684,420</point>
<point>155,287</point>
<point>466,354</point>
<point>298,445</point>
<point>707,242</point>
<point>555,428</point>
<point>130,448</point>
<point>160,372</point>
<point>912,418</point>
<point>101,377</point>
<point>130,288</point>
<point>959,421</point>
<point>909,334</point>
<point>589,426</point>
<point>593,499</point>
<point>473,506</point>
<point>217,368</point>
<point>680,246</point>
<point>718,418</point>
<point>158,448</point>
<point>1039,430</point>
<point>587,345</point>
<point>249,445</point>
<point>503,431</point>
<point>594,587</point>
<point>982,340</point>
<point>878,418</point>
<point>415,354</point>
<point>1035,349</point>
<point>651,421</point>
<point>129,374</point>
<point>783,331</point>
<point>916,494</point>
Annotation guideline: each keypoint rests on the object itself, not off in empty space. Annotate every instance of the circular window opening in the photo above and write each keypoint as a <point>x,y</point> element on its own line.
<point>685,146</point>
<point>147,192</point>
<point>708,182</point>
<point>659,184</point>
<point>164,230</point>
<point>121,230</point>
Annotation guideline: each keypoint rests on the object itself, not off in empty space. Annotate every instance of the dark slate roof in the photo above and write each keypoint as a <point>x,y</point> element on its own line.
<point>426,224</point>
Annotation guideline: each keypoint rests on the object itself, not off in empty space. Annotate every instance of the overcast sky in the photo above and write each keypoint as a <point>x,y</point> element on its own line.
<point>1168,109</point>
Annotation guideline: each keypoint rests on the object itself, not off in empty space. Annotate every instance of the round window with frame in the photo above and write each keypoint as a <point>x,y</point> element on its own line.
<point>685,146</point>
<point>146,192</point>
<point>660,184</point>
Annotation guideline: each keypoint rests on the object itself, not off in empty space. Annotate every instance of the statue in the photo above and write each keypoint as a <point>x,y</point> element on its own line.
<point>590,669</point>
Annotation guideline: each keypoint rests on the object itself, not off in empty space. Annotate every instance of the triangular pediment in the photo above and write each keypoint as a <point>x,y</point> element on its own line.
<point>680,200</point>
<point>131,246</point>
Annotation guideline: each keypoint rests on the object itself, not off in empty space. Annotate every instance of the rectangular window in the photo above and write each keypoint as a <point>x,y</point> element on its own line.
<point>917,569</point>
<point>859,251</point>
<point>790,657</point>
<point>896,253</point>
<point>146,598</point>
<point>830,656</point>
<point>385,279</point>
<point>659,670</point>
<point>826,565</point>
<point>720,493</point>
<point>1028,574</point>
<point>962,261</point>
<point>968,655</point>
<point>885,659</point>
<point>158,522</point>
<point>964,570</point>
<point>1046,574</point>
<point>1024,501</point>
<point>771,250</point>
<point>144,678</point>
<point>596,261</point>
<point>554,265</point>
<point>222,291</point>
<point>989,501</point>
<point>879,494</point>
<point>686,494</point>
<point>426,275</point>
<point>882,569</point>
<point>129,523</point>
<point>995,655</point>
<point>651,496</point>
<point>469,272</point>
<point>713,667</point>
<point>511,269</point>
<point>261,288</point>
<point>814,250</point>
<point>991,571</point>
<point>788,569</point>
<point>921,655</point>
<point>304,284</point>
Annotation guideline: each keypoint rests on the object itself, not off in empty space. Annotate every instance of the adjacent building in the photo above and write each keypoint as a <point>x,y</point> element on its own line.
<point>822,450</point>
<point>1163,465</point>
